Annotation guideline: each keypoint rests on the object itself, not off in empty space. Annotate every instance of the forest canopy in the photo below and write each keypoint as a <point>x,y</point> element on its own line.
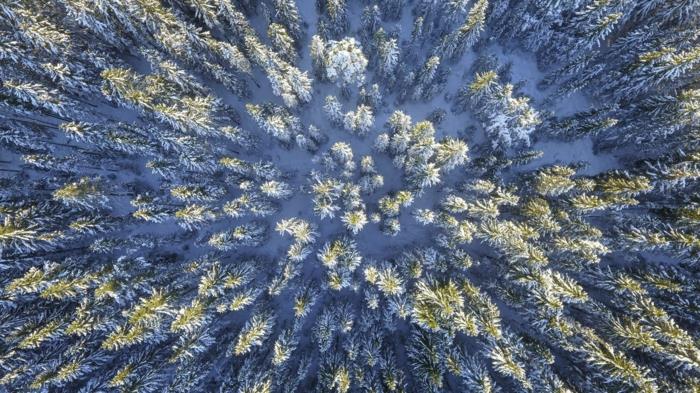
<point>379,196</point>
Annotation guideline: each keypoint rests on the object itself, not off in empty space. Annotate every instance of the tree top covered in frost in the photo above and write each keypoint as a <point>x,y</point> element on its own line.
<point>345,62</point>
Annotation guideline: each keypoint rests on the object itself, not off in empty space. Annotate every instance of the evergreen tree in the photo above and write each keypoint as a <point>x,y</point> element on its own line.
<point>344,62</point>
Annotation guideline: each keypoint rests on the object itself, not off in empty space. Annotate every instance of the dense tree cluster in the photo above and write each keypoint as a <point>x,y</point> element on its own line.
<point>263,196</point>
